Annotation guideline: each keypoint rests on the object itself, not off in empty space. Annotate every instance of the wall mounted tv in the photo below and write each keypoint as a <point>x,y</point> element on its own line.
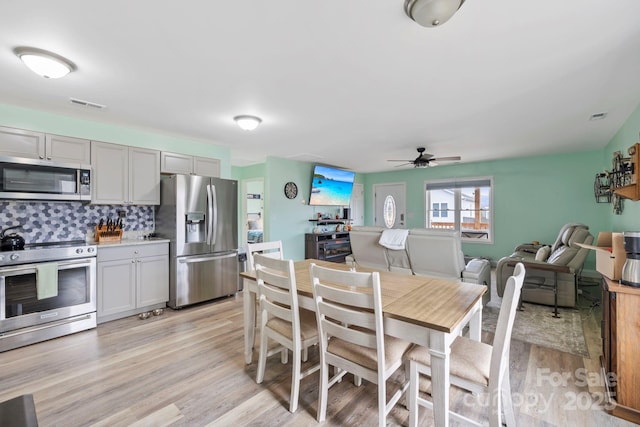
<point>331,186</point>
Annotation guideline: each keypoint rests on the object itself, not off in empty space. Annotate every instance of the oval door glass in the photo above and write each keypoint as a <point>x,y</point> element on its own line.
<point>389,211</point>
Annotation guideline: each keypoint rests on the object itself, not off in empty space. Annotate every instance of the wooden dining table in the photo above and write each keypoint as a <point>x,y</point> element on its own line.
<point>423,310</point>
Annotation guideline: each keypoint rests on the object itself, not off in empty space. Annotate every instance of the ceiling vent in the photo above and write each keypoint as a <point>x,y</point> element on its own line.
<point>87,104</point>
<point>598,116</point>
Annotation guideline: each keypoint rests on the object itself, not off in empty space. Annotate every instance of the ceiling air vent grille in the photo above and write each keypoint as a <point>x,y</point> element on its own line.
<point>87,104</point>
<point>598,116</point>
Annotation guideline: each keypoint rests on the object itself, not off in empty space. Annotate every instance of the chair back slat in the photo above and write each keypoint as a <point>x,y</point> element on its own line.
<point>277,290</point>
<point>270,249</point>
<point>349,306</point>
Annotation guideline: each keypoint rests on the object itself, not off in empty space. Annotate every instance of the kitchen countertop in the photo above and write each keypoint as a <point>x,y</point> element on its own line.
<point>131,242</point>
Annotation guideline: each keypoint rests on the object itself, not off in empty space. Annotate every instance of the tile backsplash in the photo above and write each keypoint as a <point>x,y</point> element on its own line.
<point>63,221</point>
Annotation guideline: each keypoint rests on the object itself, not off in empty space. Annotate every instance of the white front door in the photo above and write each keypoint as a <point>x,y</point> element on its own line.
<point>357,204</point>
<point>390,205</point>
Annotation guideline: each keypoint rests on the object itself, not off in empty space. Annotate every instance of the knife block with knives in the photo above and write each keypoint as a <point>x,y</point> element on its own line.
<point>111,232</point>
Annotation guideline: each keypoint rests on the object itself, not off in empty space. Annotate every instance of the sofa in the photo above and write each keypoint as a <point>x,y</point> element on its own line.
<point>426,252</point>
<point>548,266</point>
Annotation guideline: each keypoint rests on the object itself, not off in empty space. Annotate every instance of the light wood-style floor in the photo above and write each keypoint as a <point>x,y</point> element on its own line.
<point>186,368</point>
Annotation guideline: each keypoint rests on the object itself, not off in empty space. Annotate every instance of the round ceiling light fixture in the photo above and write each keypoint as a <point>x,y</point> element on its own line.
<point>246,122</point>
<point>47,64</point>
<point>431,13</point>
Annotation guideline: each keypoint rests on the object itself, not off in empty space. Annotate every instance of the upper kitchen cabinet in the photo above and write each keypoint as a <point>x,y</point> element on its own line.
<point>68,150</point>
<point>189,165</point>
<point>124,175</point>
<point>37,145</point>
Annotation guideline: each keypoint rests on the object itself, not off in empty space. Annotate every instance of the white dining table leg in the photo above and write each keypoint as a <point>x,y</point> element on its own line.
<point>440,358</point>
<point>475,325</point>
<point>249,301</point>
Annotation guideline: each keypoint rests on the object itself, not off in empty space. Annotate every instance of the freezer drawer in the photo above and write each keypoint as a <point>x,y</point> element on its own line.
<point>198,278</point>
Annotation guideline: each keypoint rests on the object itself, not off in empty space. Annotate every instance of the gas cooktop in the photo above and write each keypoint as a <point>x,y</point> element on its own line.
<point>48,251</point>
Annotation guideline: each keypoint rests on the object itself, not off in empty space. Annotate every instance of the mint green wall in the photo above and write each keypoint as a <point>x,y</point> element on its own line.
<point>285,219</point>
<point>533,197</point>
<point>629,220</point>
<point>40,121</point>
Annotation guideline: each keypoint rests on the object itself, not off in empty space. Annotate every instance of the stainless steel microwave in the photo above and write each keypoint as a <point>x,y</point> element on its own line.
<point>31,179</point>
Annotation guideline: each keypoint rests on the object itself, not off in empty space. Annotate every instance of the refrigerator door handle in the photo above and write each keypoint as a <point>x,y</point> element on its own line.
<point>214,218</point>
<point>192,260</point>
<point>209,215</point>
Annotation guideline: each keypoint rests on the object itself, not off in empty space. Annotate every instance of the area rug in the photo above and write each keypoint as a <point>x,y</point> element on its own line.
<point>536,325</point>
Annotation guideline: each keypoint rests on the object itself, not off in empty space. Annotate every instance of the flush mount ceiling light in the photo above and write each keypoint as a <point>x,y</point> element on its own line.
<point>247,122</point>
<point>431,13</point>
<point>47,64</point>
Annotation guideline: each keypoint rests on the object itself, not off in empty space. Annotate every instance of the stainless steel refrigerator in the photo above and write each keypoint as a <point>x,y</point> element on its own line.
<point>200,216</point>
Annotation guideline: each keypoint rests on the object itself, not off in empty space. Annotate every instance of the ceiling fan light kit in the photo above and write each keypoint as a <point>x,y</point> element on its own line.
<point>431,13</point>
<point>44,63</point>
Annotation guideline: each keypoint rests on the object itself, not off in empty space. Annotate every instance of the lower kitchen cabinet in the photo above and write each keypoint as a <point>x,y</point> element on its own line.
<point>131,279</point>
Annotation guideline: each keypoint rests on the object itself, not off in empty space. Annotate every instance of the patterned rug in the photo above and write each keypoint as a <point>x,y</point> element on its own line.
<point>536,325</point>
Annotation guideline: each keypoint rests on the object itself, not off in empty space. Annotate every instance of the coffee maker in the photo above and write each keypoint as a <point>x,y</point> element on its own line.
<point>631,268</point>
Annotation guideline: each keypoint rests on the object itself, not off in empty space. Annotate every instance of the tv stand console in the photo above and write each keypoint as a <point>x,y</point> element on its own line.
<point>332,246</point>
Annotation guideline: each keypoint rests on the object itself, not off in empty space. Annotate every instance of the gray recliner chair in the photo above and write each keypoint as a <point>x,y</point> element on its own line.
<point>549,268</point>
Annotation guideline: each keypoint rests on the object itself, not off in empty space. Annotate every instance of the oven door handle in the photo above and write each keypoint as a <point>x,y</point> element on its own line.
<point>62,265</point>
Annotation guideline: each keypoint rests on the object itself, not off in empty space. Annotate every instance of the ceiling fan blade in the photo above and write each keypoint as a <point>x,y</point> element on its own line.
<point>446,159</point>
<point>399,160</point>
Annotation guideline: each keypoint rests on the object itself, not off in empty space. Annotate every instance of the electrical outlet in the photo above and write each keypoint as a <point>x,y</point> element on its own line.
<point>121,213</point>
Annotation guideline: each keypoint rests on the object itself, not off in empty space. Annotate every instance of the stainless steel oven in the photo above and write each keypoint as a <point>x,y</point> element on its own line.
<point>27,313</point>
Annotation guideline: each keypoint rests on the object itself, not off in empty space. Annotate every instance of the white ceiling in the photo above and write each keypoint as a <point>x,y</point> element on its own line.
<point>349,83</point>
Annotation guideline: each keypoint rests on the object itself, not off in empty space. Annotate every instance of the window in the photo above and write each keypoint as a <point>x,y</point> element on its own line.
<point>465,205</point>
<point>389,211</point>
<point>440,210</point>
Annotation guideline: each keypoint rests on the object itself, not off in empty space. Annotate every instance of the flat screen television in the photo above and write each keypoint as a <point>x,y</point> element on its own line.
<point>331,186</point>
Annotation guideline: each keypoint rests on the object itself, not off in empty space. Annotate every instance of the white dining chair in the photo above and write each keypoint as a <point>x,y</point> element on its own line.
<point>282,321</point>
<point>475,366</point>
<point>272,249</point>
<point>352,339</point>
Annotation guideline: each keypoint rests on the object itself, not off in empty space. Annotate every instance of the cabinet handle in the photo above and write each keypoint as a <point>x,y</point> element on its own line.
<point>42,157</point>
<point>133,261</point>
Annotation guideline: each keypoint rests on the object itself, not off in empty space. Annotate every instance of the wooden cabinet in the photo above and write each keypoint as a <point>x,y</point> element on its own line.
<point>334,246</point>
<point>620,347</point>
<point>41,146</point>
<point>189,165</point>
<point>131,279</point>
<point>124,175</point>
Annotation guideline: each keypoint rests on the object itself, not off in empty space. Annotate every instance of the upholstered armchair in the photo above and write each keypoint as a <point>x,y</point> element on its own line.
<point>552,270</point>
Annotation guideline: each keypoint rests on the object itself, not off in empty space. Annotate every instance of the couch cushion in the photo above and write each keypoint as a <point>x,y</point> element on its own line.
<point>543,253</point>
<point>562,256</point>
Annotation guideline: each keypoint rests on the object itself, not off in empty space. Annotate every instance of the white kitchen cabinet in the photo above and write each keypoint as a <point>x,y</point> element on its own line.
<point>67,149</point>
<point>41,146</point>
<point>131,279</point>
<point>124,175</point>
<point>189,165</point>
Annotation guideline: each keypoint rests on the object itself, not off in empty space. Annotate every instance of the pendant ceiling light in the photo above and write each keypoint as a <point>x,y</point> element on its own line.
<point>44,63</point>
<point>247,122</point>
<point>431,13</point>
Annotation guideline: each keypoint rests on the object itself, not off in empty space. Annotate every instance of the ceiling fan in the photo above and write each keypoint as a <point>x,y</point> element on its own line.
<point>425,160</point>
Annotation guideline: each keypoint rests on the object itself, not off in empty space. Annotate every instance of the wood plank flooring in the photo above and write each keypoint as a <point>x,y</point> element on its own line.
<point>186,368</point>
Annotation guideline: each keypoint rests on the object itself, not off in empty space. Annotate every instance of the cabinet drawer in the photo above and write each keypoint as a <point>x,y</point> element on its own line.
<point>132,251</point>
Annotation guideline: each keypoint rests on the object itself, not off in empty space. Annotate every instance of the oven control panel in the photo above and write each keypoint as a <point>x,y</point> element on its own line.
<point>34,254</point>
